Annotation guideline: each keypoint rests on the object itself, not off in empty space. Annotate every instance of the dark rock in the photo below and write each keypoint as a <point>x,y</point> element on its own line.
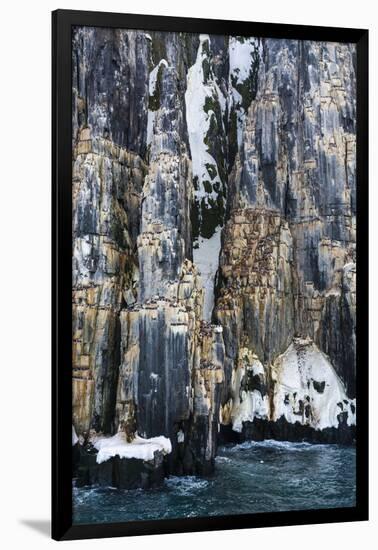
<point>123,473</point>
<point>281,430</point>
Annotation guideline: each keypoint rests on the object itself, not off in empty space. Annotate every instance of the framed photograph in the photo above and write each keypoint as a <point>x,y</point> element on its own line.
<point>210,252</point>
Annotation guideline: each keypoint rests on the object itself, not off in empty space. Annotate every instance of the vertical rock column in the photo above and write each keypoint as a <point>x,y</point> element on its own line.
<point>102,267</point>
<point>108,174</point>
<point>177,373</point>
<point>322,204</point>
<point>160,326</point>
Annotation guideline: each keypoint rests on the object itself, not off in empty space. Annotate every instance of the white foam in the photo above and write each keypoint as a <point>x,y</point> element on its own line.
<point>186,485</point>
<point>272,444</point>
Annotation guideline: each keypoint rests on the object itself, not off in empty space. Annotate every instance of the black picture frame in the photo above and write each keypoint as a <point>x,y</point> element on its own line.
<point>62,22</point>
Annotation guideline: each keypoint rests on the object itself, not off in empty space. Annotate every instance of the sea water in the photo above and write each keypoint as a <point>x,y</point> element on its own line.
<point>249,478</point>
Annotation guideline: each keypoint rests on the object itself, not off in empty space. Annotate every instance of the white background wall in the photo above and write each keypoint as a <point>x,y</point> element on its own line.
<point>25,267</point>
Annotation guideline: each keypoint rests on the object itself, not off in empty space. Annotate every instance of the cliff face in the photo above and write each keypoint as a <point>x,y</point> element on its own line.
<point>214,243</point>
<point>287,263</point>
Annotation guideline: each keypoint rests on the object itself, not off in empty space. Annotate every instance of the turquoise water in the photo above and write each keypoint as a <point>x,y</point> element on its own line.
<point>250,477</point>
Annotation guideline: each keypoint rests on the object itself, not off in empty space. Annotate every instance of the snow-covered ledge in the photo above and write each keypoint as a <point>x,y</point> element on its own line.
<point>139,448</point>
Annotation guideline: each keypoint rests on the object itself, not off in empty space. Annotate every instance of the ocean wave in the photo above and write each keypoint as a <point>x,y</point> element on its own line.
<point>273,444</point>
<point>222,459</point>
<point>186,485</point>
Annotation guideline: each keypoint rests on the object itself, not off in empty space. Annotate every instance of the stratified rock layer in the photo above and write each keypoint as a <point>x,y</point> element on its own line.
<point>213,246</point>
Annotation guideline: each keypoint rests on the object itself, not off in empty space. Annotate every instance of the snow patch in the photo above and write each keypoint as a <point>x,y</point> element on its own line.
<point>241,58</point>
<point>306,390</point>
<point>140,448</point>
<point>151,90</point>
<point>252,405</point>
<point>306,381</point>
<point>198,120</point>
<point>247,405</point>
<point>335,291</point>
<point>75,439</point>
<point>351,266</point>
<point>206,251</point>
<point>206,258</point>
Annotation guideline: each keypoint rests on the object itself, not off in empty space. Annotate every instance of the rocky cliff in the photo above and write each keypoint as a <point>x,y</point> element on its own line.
<point>213,247</point>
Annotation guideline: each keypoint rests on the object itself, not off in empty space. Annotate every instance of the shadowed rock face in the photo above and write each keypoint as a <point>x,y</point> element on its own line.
<point>240,150</point>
